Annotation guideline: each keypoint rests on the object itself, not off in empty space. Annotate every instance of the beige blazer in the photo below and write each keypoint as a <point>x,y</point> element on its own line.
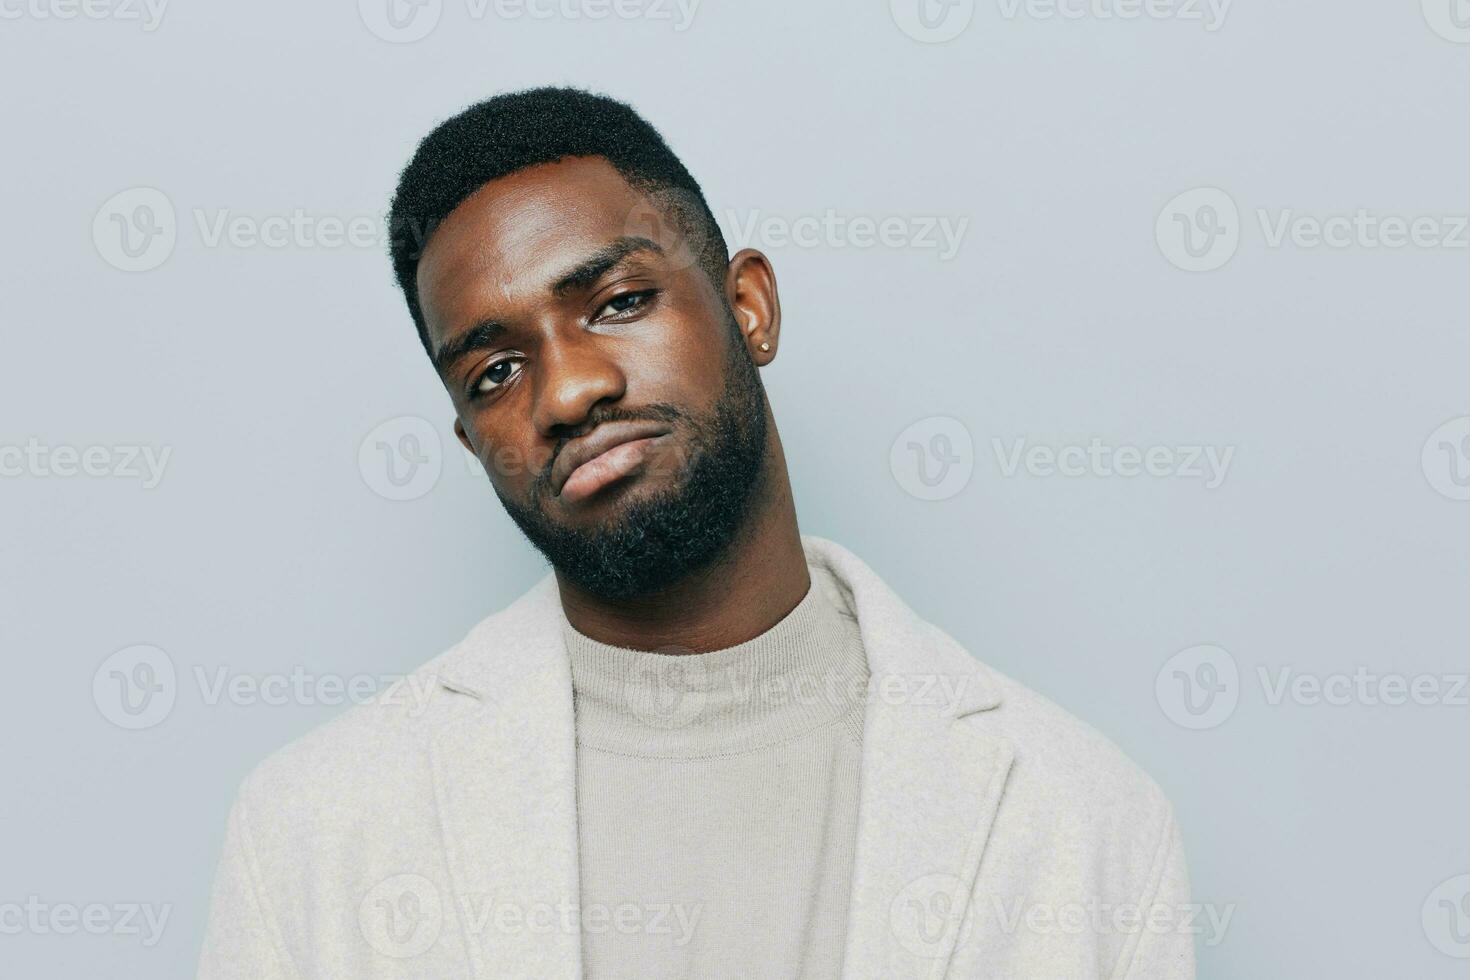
<point>432,833</point>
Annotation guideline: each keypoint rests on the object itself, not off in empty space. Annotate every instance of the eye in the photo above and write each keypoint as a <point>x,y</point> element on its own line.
<point>624,303</point>
<point>496,374</point>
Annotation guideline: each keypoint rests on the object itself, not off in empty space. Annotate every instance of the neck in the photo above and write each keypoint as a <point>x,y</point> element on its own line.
<point>760,578</point>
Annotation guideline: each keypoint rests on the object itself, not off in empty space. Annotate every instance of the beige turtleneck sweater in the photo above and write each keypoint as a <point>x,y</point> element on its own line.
<point>717,799</point>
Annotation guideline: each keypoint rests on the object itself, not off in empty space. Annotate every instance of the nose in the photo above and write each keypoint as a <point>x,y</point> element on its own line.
<point>575,373</point>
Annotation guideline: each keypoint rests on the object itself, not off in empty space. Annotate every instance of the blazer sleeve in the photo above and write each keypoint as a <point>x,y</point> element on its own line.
<point>1167,953</point>
<point>241,941</point>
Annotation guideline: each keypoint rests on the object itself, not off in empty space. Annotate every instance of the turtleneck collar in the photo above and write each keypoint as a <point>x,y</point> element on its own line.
<point>805,672</point>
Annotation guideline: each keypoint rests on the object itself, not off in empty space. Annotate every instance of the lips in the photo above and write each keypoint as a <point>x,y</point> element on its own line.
<point>607,453</point>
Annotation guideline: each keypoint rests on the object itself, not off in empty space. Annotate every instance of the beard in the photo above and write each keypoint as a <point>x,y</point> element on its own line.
<point>657,540</point>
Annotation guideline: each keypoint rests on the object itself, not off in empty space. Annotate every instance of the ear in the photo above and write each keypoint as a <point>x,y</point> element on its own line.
<point>750,288</point>
<point>464,439</point>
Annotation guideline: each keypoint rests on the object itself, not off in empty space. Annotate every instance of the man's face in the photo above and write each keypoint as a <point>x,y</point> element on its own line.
<point>597,374</point>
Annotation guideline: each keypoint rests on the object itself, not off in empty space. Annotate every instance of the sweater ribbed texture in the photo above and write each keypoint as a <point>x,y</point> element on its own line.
<point>717,798</point>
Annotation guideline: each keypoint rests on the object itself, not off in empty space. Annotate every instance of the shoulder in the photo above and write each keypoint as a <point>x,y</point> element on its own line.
<point>369,752</point>
<point>1059,755</point>
<point>1057,758</point>
<point>378,752</point>
<point>1076,808</point>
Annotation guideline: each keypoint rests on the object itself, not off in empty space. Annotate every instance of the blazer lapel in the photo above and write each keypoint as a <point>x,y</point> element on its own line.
<point>505,786</point>
<point>930,784</point>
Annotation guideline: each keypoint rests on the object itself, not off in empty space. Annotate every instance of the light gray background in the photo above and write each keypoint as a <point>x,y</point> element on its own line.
<point>267,549</point>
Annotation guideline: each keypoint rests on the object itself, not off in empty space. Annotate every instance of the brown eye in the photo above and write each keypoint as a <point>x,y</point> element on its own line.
<point>626,302</point>
<point>496,375</point>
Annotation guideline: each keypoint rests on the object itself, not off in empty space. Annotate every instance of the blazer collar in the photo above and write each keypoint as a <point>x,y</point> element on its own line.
<point>930,783</point>
<point>525,637</point>
<point>505,782</point>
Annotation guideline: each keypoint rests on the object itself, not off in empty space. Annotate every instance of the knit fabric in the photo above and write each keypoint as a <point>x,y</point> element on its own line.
<point>717,798</point>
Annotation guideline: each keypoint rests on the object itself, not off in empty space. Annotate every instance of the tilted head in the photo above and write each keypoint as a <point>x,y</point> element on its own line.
<point>573,290</point>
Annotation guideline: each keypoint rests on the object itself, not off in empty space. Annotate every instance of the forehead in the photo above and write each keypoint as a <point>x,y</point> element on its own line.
<point>506,242</point>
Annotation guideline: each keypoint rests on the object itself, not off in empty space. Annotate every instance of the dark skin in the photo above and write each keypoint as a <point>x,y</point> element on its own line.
<point>546,300</point>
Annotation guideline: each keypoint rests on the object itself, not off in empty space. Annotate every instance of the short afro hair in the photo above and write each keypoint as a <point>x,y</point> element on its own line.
<point>516,130</point>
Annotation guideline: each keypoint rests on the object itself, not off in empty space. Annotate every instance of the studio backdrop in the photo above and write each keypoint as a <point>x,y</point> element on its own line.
<point>1126,339</point>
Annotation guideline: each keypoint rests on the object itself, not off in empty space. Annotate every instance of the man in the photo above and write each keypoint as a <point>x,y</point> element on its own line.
<point>705,745</point>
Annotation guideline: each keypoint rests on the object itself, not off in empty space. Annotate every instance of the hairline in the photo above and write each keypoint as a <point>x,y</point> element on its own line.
<point>642,185</point>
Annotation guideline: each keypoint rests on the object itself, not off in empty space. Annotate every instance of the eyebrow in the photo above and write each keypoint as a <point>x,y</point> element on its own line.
<point>486,333</point>
<point>489,333</point>
<point>592,268</point>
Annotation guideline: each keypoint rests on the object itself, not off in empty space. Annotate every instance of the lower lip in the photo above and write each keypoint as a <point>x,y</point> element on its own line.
<point>618,462</point>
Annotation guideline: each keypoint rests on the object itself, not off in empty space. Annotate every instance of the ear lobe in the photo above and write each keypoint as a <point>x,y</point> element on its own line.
<point>751,292</point>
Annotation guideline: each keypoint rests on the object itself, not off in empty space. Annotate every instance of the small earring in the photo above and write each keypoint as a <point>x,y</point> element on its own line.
<point>765,346</point>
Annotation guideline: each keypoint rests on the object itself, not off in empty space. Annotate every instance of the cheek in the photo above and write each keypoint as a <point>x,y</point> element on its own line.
<point>683,364</point>
<point>510,459</point>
